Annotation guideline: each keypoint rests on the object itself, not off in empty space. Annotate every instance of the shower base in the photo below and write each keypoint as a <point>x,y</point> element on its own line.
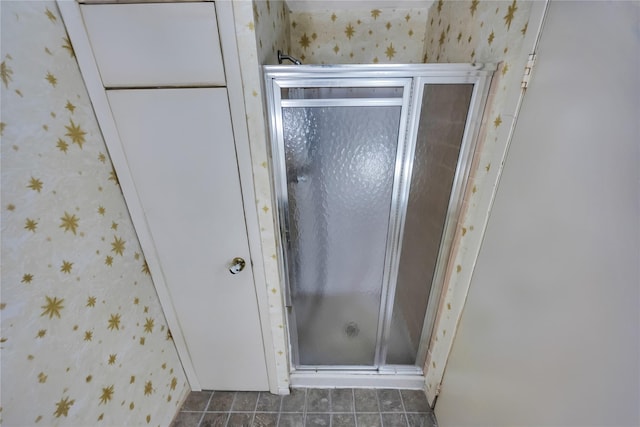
<point>340,332</point>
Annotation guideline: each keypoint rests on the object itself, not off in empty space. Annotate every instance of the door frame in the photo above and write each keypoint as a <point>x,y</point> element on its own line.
<point>72,18</point>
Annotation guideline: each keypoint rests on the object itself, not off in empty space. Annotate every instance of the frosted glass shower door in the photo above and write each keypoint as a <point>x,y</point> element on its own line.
<point>340,163</point>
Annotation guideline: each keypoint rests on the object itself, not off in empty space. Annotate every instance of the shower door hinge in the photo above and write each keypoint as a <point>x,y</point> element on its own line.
<point>527,70</point>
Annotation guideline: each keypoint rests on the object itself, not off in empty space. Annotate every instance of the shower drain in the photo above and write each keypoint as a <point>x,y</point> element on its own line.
<point>351,329</point>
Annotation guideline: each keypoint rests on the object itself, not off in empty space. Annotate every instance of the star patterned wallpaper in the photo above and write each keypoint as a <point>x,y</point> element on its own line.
<point>463,31</point>
<point>490,32</point>
<point>83,337</point>
<point>364,36</point>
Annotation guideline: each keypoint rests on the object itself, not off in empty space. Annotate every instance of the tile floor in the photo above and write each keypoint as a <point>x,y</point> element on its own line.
<point>307,407</point>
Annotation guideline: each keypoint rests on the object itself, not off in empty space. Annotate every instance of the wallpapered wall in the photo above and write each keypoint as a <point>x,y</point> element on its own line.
<point>84,340</point>
<point>359,36</point>
<point>478,31</point>
<point>261,30</point>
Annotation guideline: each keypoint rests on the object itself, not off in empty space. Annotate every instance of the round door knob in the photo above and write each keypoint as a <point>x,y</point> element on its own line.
<point>237,265</point>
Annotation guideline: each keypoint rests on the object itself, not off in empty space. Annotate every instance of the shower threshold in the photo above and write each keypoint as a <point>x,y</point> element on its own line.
<point>401,377</point>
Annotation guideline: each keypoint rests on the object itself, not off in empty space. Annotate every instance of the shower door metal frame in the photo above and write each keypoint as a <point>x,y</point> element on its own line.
<point>413,79</point>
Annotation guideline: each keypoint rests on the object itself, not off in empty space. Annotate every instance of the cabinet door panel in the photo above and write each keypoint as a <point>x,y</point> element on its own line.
<point>180,150</point>
<point>140,45</point>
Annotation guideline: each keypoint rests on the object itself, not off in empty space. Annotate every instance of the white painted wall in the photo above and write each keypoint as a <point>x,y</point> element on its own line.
<point>551,328</point>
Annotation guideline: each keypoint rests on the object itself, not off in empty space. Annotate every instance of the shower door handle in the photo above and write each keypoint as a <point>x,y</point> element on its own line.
<point>237,265</point>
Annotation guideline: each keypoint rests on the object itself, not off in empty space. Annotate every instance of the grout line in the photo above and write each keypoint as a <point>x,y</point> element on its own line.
<point>353,407</point>
<point>404,409</point>
<point>204,411</point>
<point>233,401</point>
<point>379,407</point>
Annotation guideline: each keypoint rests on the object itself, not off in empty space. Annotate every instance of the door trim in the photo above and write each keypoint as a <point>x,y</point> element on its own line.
<point>228,42</point>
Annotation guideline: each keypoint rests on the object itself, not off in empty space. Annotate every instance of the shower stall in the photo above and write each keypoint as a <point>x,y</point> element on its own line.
<point>369,166</point>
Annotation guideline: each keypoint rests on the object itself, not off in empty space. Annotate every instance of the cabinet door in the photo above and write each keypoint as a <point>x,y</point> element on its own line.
<point>180,150</point>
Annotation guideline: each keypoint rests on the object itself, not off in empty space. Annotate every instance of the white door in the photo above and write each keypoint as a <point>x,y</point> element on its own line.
<point>180,150</point>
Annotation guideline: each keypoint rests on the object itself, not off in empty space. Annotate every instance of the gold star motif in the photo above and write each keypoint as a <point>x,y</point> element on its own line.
<point>41,333</point>
<point>375,13</point>
<point>27,278</point>
<point>388,26</point>
<point>76,133</point>
<point>474,6</point>
<point>334,17</point>
<point>440,3</point>
<point>114,322</point>
<point>35,184</point>
<point>148,326</point>
<point>67,45</point>
<point>107,394</point>
<point>349,31</point>
<point>491,37</point>
<point>101,210</point>
<point>459,37</point>
<point>2,126</point>
<point>50,15</point>
<point>51,79</point>
<point>117,245</point>
<point>497,121</point>
<point>88,335</point>
<point>136,301</point>
<point>390,52</point>
<point>114,225</point>
<point>510,12</point>
<point>524,29</point>
<point>145,268</point>
<point>174,383</point>
<point>30,225</point>
<point>69,106</point>
<point>91,302</point>
<point>112,359</point>
<point>336,49</point>
<point>63,406</point>
<point>442,38</point>
<point>62,145</point>
<point>108,260</point>
<point>5,73</point>
<point>52,307</point>
<point>142,340</point>
<point>406,18</point>
<point>304,41</point>
<point>113,177</point>
<point>69,222</point>
<point>148,388</point>
<point>102,158</point>
<point>66,267</point>
<point>42,378</point>
<point>505,69</point>
<point>488,167</point>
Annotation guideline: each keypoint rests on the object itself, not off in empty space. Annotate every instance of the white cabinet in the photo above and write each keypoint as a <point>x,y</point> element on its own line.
<point>180,151</point>
<point>156,78</point>
<point>147,45</point>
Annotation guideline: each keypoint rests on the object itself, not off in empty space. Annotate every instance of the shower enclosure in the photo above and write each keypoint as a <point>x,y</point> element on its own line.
<point>369,166</point>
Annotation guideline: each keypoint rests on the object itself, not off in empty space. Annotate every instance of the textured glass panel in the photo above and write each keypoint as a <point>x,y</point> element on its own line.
<point>441,127</point>
<point>341,92</point>
<point>340,166</point>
